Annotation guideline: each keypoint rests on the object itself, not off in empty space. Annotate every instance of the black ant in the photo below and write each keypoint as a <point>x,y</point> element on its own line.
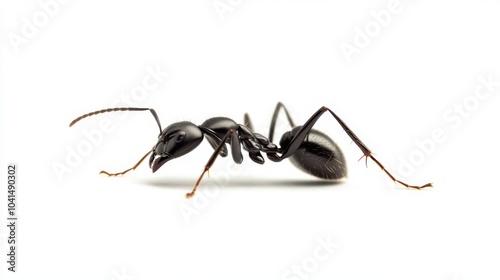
<point>310,150</point>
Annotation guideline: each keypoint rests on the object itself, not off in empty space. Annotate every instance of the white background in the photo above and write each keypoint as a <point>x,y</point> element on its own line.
<point>252,222</point>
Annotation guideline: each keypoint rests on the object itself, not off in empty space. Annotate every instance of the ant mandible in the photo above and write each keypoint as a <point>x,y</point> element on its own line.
<point>310,150</point>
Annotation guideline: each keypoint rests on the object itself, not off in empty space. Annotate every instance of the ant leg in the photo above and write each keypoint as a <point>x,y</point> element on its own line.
<point>275,117</point>
<point>304,131</point>
<point>235,149</point>
<point>123,172</point>
<point>247,121</point>
<point>214,140</point>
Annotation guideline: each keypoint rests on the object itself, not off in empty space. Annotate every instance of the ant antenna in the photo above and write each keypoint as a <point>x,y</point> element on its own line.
<point>118,109</point>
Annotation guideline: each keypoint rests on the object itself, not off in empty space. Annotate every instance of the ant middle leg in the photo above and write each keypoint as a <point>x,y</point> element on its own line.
<point>279,105</point>
<point>275,118</point>
<point>247,121</point>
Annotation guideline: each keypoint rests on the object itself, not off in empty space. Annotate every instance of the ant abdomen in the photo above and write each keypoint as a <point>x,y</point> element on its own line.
<point>317,155</point>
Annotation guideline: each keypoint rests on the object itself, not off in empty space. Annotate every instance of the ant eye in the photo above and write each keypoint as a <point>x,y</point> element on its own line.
<point>180,136</point>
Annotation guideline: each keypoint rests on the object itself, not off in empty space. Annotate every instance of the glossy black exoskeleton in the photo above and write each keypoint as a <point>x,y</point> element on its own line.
<point>310,150</point>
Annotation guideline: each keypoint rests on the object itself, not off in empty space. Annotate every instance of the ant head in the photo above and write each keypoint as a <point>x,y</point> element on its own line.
<point>175,140</point>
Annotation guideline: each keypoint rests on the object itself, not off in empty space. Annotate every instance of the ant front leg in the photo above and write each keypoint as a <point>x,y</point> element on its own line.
<point>299,137</point>
<point>235,150</point>
<point>132,168</point>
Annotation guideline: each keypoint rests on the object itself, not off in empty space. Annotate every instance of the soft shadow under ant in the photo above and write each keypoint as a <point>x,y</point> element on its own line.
<point>241,182</point>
